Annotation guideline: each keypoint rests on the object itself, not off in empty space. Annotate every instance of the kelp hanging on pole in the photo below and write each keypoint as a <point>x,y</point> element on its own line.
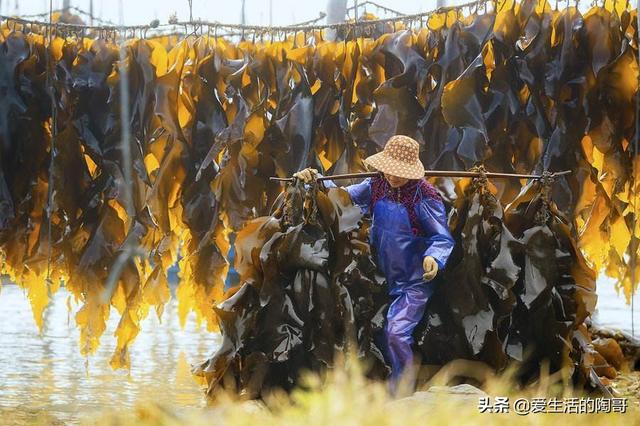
<point>309,288</point>
<point>474,302</point>
<point>504,298</point>
<point>516,288</point>
<point>522,89</point>
<point>553,297</point>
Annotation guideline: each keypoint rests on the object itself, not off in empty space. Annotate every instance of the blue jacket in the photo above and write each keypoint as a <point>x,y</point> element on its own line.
<point>399,252</point>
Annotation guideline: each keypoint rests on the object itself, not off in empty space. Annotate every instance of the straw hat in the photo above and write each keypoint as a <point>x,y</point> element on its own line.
<point>398,158</point>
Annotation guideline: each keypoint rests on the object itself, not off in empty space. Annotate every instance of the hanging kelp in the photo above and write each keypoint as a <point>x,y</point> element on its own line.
<point>473,305</point>
<point>521,88</point>
<point>504,297</point>
<point>25,133</point>
<point>555,291</point>
<point>533,101</point>
<point>309,288</point>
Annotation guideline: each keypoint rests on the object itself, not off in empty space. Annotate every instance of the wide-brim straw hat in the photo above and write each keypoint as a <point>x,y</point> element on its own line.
<point>400,157</point>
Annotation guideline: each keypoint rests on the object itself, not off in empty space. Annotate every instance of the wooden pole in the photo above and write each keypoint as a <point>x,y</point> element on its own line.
<point>433,173</point>
<point>336,12</point>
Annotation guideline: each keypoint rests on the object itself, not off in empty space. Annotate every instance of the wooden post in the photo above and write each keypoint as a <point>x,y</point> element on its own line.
<point>336,12</point>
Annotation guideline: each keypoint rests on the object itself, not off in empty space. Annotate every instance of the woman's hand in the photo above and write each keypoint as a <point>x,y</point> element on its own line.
<point>430,268</point>
<point>307,175</point>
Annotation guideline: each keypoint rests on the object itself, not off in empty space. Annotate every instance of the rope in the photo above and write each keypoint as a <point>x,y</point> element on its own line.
<point>312,21</point>
<point>482,179</point>
<point>542,215</point>
<point>481,182</point>
<point>77,10</point>
<point>363,5</point>
<point>480,185</point>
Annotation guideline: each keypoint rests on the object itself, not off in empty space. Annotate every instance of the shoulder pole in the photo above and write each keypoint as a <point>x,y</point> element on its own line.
<point>434,173</point>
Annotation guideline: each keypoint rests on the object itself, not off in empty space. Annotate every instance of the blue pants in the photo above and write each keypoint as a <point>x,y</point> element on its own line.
<point>405,312</point>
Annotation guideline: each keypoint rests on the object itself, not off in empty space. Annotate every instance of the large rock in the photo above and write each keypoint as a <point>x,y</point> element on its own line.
<point>629,345</point>
<point>598,362</point>
<point>463,394</point>
<point>610,350</point>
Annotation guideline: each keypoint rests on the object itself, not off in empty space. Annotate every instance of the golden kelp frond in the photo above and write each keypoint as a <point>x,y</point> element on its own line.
<point>524,88</point>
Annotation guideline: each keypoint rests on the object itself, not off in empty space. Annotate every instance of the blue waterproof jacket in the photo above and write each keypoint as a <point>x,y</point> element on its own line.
<point>399,252</point>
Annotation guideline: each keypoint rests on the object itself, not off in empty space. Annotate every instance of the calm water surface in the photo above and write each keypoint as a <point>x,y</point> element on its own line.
<point>613,311</point>
<point>47,372</point>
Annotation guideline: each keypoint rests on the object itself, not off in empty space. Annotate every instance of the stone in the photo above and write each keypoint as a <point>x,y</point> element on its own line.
<point>462,389</point>
<point>610,350</point>
<point>463,393</point>
<point>601,367</point>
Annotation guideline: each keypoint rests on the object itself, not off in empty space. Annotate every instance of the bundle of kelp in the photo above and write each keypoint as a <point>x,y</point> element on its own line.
<point>516,288</point>
<point>556,288</point>
<point>308,289</point>
<point>474,302</point>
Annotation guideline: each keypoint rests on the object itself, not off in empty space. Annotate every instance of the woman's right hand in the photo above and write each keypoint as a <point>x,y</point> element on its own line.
<point>307,175</point>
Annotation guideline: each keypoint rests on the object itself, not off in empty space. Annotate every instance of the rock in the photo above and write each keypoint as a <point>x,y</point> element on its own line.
<point>629,345</point>
<point>610,350</point>
<point>601,367</point>
<point>619,335</point>
<point>253,406</point>
<point>462,389</point>
<point>463,393</point>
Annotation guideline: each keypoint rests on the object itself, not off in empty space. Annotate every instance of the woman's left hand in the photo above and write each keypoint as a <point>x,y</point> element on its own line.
<point>430,268</point>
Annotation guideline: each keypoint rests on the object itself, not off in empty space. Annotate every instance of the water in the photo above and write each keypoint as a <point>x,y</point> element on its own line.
<point>612,309</point>
<point>47,373</point>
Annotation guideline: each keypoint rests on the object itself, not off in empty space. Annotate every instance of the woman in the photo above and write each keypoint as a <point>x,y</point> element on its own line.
<point>409,236</point>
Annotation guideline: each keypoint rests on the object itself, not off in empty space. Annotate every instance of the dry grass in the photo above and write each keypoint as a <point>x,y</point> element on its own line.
<point>346,397</point>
